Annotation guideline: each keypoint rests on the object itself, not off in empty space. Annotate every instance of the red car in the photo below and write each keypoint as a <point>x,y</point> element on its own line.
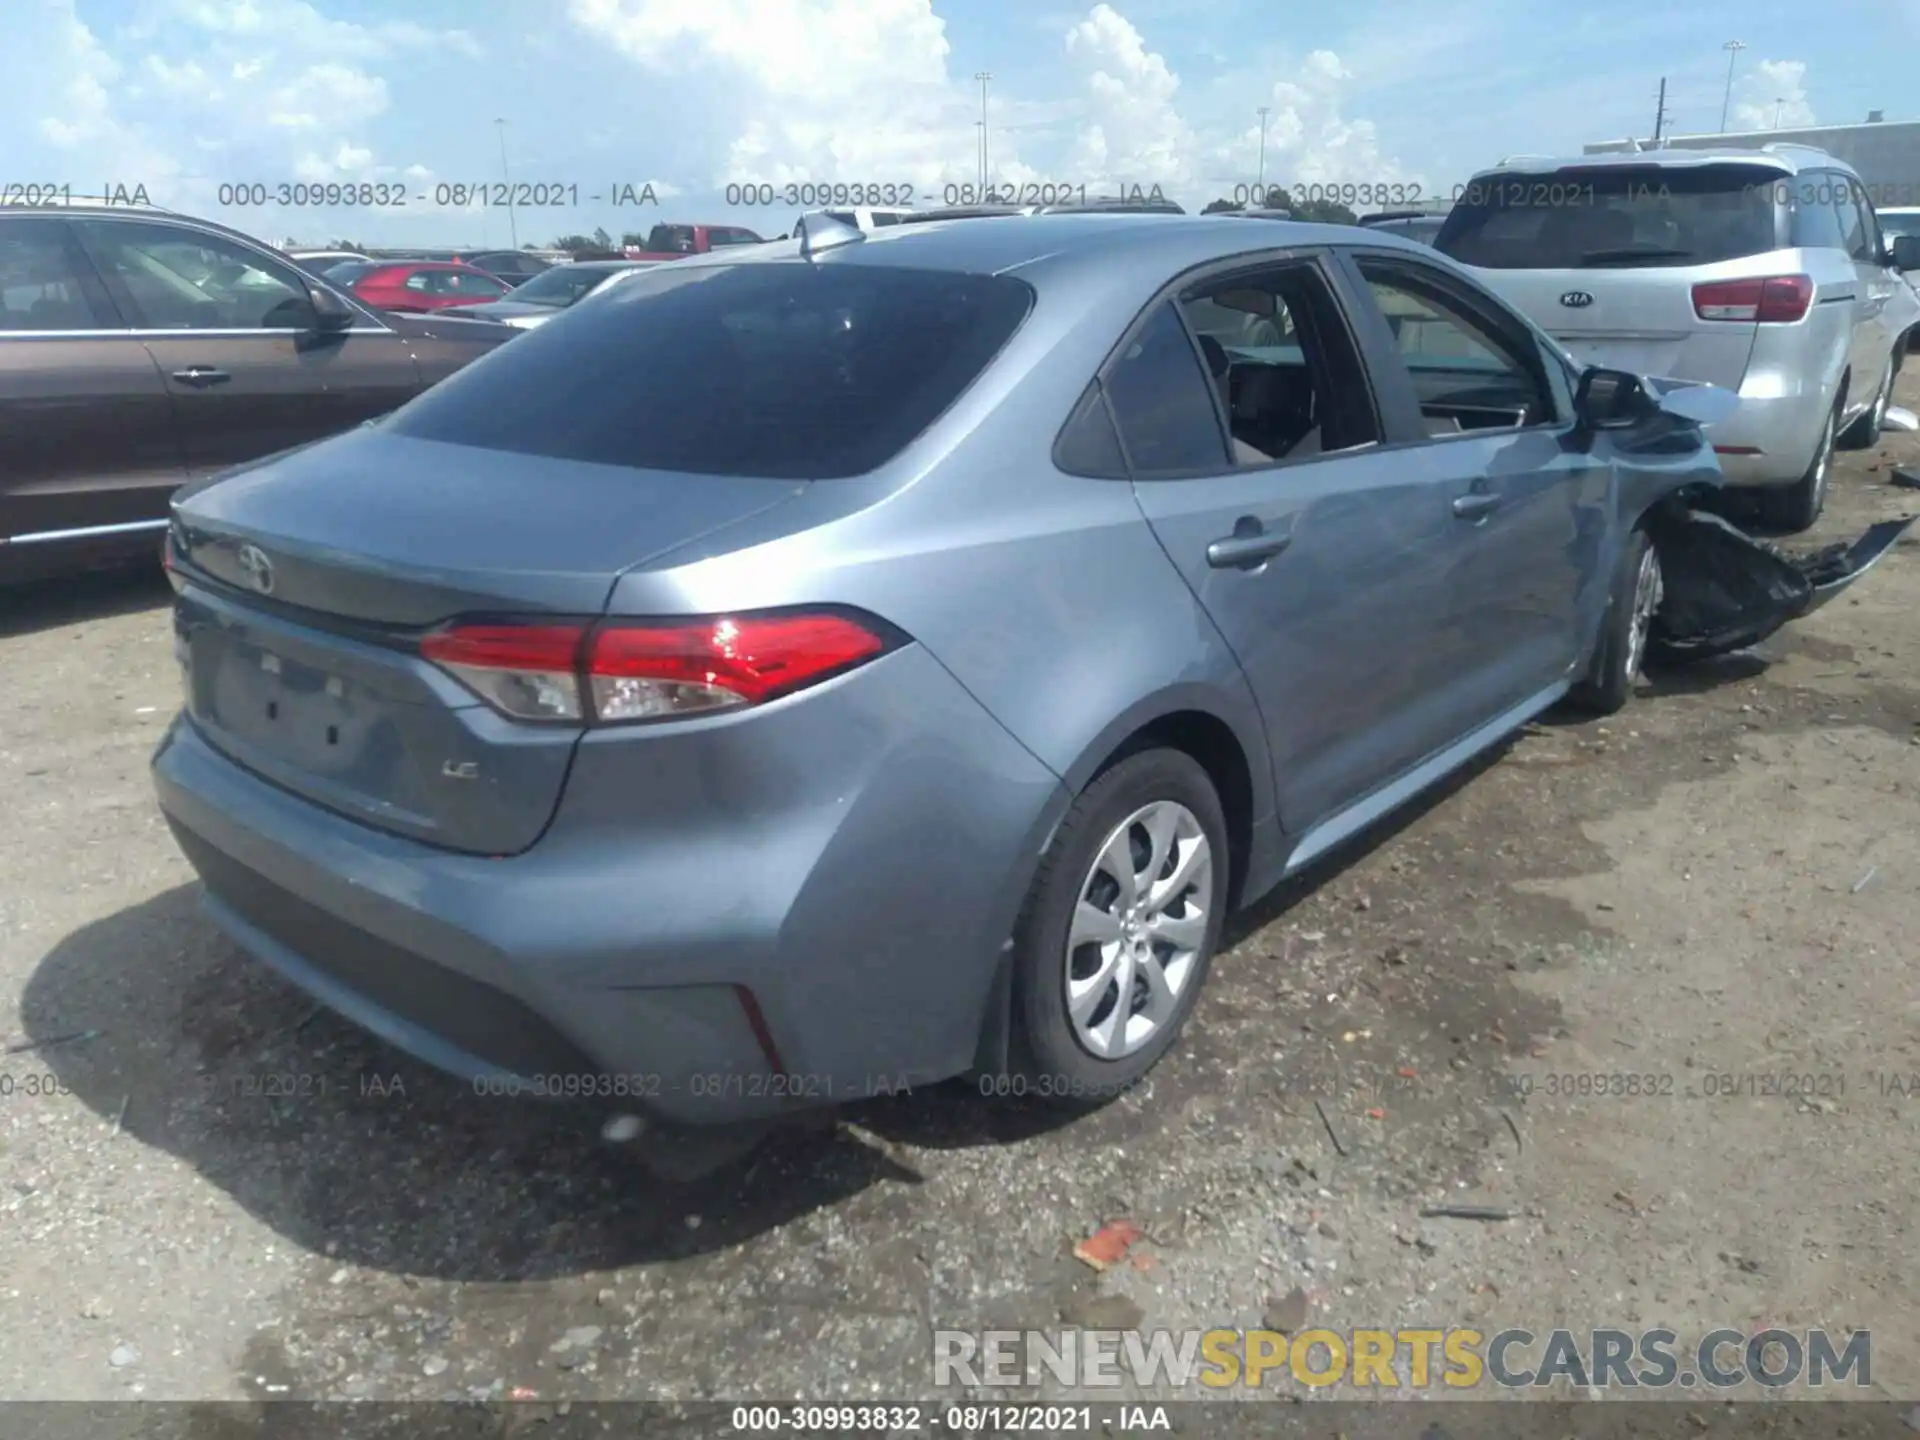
<point>418,286</point>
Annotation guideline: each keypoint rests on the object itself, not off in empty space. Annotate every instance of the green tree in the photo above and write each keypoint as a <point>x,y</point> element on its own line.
<point>1215,207</point>
<point>602,240</point>
<point>1320,211</point>
<point>571,243</point>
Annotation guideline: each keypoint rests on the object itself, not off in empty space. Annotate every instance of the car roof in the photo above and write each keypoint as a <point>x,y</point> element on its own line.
<point>1160,245</point>
<point>604,265</point>
<point>1788,159</point>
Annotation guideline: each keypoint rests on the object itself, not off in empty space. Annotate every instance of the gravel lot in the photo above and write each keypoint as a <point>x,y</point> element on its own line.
<point>1676,893</point>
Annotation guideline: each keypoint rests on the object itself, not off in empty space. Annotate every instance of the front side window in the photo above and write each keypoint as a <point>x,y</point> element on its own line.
<point>1816,215</point>
<point>471,282</point>
<point>1871,244</point>
<point>181,279</point>
<point>1467,374</point>
<point>789,371</point>
<point>40,283</point>
<point>1853,224</point>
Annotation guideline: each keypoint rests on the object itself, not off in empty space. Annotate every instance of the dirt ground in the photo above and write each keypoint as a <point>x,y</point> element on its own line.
<point>1715,888</point>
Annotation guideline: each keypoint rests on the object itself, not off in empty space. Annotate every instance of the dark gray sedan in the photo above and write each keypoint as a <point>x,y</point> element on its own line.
<point>842,664</point>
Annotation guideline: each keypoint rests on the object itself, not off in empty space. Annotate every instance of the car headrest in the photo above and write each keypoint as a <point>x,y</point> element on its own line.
<point>1217,362</point>
<point>1257,392</point>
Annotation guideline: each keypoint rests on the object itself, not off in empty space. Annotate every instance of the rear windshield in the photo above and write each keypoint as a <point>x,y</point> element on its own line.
<point>1593,217</point>
<point>786,370</point>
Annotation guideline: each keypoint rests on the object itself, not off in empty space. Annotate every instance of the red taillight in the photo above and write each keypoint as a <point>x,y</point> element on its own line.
<point>1777,299</point>
<point>620,672</point>
<point>529,672</point>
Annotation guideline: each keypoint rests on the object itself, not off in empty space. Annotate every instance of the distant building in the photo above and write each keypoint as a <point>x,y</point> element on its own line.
<point>1885,153</point>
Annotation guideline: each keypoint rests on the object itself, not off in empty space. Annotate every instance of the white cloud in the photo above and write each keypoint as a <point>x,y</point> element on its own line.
<point>1133,133</point>
<point>864,90</point>
<point>1772,95</point>
<point>845,91</point>
<point>226,90</point>
<point>1310,140</point>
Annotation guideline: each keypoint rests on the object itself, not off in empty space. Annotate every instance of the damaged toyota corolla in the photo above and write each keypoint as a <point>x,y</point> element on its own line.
<point>868,659</point>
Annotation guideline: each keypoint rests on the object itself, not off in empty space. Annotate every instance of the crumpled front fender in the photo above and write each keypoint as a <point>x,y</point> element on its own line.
<point>1726,591</point>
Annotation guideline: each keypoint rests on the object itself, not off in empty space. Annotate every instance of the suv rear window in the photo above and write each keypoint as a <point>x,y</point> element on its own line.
<point>1585,217</point>
<point>785,370</point>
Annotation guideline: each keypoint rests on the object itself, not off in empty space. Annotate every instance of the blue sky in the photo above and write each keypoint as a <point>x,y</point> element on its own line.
<point>184,96</point>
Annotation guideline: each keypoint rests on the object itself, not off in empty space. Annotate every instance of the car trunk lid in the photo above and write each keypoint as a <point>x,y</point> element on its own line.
<point>1639,320</point>
<point>307,583</point>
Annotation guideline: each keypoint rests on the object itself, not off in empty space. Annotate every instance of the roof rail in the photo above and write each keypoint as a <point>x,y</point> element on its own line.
<point>63,199</point>
<point>1517,159</point>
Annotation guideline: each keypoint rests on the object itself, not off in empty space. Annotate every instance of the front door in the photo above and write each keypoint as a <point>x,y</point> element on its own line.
<point>1528,506</point>
<point>231,331</point>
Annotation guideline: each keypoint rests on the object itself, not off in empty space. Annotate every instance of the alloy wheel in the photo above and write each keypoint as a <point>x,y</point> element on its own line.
<point>1648,591</point>
<point>1138,929</point>
<point>1821,464</point>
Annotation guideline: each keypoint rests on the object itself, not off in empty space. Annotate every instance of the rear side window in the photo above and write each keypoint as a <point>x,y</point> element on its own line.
<point>784,370</point>
<point>1585,217</point>
<point>1815,197</point>
<point>1163,402</point>
<point>41,287</point>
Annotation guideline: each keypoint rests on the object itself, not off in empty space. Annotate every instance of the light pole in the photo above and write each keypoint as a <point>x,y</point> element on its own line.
<point>1777,103</point>
<point>1261,186</point>
<point>983,76</point>
<point>513,229</point>
<point>1733,49</point>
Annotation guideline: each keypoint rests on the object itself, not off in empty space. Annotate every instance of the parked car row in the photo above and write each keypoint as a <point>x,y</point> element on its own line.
<point>999,604</point>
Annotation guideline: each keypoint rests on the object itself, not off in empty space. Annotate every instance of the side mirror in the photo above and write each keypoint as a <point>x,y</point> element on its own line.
<point>330,312</point>
<point>1904,252</point>
<point>1610,399</point>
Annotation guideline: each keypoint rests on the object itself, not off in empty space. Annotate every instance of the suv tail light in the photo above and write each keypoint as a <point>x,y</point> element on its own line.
<point>1778,299</point>
<point>622,671</point>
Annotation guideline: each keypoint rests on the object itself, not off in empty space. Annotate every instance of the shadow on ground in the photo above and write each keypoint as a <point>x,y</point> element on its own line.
<point>76,599</point>
<point>348,1147</point>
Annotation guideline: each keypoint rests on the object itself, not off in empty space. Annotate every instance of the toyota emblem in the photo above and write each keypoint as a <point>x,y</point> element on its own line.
<point>1576,299</point>
<point>257,568</point>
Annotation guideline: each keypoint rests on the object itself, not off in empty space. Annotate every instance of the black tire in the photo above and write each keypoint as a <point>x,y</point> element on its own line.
<point>1793,508</point>
<point>1048,1058</point>
<point>1864,433</point>
<point>1615,669</point>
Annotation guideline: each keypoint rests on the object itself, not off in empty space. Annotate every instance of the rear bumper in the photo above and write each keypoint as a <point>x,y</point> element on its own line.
<point>1792,375</point>
<point>851,859</point>
<point>1770,439</point>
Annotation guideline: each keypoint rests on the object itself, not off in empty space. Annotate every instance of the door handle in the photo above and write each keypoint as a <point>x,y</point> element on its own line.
<point>1250,546</point>
<point>1476,506</point>
<point>201,375</point>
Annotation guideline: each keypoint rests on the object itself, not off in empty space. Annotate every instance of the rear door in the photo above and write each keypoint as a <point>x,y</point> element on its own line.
<point>231,331</point>
<point>1321,558</point>
<point>1604,258</point>
<point>1486,417</point>
<point>87,436</point>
